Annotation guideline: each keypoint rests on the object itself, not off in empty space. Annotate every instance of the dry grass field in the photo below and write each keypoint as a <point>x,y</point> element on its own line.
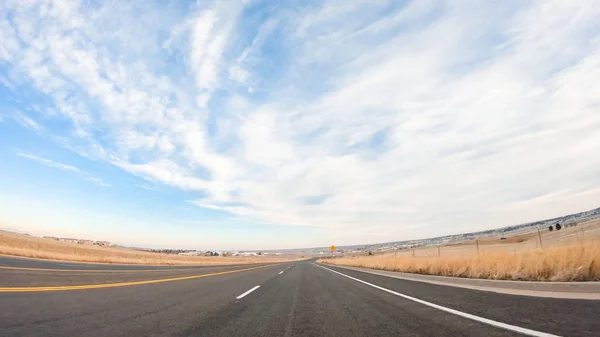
<point>35,247</point>
<point>572,254</point>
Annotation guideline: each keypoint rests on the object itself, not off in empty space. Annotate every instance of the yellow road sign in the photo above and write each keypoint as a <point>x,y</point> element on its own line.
<point>332,248</point>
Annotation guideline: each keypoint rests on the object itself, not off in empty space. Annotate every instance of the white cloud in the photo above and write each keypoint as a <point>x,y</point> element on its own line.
<point>63,167</point>
<point>209,35</point>
<point>4,81</point>
<point>25,121</point>
<point>238,74</point>
<point>146,187</point>
<point>249,56</point>
<point>97,181</point>
<point>49,162</point>
<point>166,172</point>
<point>202,60</point>
<point>423,121</point>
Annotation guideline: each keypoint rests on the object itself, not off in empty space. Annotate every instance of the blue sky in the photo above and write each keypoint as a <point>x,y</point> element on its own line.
<point>261,124</point>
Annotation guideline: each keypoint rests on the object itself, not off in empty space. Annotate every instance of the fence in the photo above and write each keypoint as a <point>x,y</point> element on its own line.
<point>513,242</point>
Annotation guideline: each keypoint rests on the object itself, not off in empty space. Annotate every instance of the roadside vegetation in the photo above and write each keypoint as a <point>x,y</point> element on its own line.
<point>35,247</point>
<point>574,261</point>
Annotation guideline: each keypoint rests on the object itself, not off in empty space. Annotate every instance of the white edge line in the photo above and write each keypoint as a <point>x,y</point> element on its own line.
<point>510,291</point>
<point>281,272</point>
<point>497,324</point>
<point>247,292</point>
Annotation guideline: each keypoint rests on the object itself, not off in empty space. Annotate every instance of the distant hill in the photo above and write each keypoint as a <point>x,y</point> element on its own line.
<point>574,218</point>
<point>12,230</point>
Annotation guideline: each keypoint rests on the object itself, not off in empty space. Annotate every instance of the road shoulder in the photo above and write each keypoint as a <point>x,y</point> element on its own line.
<point>566,290</point>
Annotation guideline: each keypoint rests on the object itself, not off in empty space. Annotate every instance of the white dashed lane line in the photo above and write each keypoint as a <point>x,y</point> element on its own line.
<point>247,292</point>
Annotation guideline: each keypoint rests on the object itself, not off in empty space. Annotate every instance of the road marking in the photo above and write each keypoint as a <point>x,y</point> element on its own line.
<point>497,324</point>
<point>590,294</point>
<point>247,292</point>
<point>281,272</point>
<point>102,271</point>
<point>120,284</point>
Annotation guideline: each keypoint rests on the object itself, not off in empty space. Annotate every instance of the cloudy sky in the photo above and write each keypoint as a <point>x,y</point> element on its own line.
<point>268,124</point>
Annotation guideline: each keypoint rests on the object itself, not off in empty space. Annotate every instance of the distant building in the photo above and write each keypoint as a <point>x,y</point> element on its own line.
<point>85,242</point>
<point>192,253</point>
<point>102,243</point>
<point>68,240</point>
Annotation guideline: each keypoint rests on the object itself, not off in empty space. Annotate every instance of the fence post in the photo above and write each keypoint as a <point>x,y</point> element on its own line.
<point>540,238</point>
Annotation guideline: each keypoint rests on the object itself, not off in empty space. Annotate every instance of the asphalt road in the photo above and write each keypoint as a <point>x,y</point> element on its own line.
<point>294,299</point>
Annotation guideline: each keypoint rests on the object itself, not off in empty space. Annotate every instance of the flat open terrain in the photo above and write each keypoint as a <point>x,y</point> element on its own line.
<point>46,298</point>
<point>29,246</point>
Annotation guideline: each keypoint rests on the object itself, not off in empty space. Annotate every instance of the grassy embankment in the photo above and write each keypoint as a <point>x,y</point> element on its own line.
<point>575,259</point>
<point>35,247</point>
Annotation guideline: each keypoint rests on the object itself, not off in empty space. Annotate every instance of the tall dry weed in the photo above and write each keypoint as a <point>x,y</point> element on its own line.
<point>570,262</point>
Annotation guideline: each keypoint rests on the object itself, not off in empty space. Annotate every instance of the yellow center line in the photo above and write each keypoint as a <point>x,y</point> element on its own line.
<point>108,270</point>
<point>121,284</point>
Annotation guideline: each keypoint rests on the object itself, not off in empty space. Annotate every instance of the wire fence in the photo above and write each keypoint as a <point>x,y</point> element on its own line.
<point>510,242</point>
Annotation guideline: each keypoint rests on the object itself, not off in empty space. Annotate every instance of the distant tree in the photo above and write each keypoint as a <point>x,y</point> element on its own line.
<point>259,253</point>
<point>550,228</point>
<point>370,253</point>
<point>558,226</point>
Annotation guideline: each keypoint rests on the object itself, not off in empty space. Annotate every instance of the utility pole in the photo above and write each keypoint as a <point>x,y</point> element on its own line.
<point>477,241</point>
<point>413,252</point>
<point>540,237</point>
<point>439,251</point>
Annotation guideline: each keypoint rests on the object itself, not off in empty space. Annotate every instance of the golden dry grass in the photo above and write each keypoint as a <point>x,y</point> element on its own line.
<point>575,261</point>
<point>513,243</point>
<point>29,246</point>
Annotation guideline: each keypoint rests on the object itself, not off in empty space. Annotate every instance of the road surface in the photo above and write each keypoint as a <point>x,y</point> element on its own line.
<point>43,298</point>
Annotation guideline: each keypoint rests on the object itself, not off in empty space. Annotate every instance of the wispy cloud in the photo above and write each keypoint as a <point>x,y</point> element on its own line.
<point>25,121</point>
<point>49,162</point>
<point>146,187</point>
<point>63,167</point>
<point>97,181</point>
<point>413,118</point>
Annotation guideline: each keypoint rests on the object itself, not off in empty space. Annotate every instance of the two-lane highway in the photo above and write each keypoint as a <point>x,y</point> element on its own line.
<point>288,299</point>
